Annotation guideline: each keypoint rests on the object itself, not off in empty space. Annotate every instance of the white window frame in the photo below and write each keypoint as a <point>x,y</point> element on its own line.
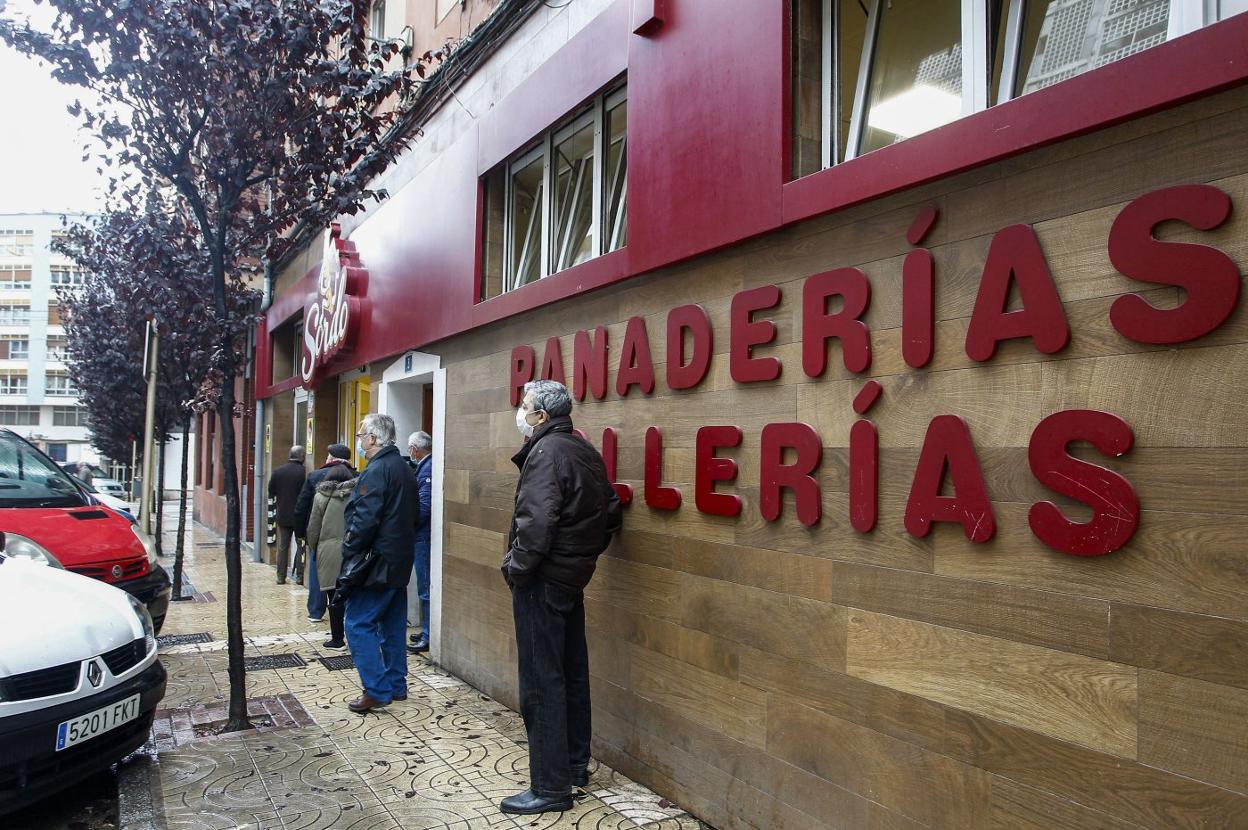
<point>1185,16</point>
<point>69,390</point>
<point>602,242</point>
<point>9,378</point>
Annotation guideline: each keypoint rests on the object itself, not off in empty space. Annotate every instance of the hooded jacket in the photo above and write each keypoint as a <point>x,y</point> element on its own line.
<point>327,526</point>
<point>379,517</point>
<point>337,470</point>
<point>566,509</point>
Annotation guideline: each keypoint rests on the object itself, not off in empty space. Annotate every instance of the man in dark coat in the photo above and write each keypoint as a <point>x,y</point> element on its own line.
<point>420,459</point>
<point>566,513</point>
<point>284,486</point>
<point>379,519</point>
<point>337,467</point>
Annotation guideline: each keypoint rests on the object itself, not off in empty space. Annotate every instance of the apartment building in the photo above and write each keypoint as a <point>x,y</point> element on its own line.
<point>38,399</point>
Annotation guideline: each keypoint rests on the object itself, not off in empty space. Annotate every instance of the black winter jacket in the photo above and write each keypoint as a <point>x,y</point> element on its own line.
<point>284,485</point>
<point>337,470</point>
<point>379,517</point>
<point>566,510</point>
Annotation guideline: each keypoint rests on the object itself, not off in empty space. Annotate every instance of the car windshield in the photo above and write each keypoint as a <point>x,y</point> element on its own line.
<point>28,478</point>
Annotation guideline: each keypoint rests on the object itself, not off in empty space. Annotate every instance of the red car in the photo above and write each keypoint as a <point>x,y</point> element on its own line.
<point>49,518</point>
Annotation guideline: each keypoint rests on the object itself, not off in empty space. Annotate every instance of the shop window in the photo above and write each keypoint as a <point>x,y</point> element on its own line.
<point>14,348</point>
<point>19,416</point>
<point>60,385</point>
<point>560,202</point>
<point>889,70</point>
<point>69,416</point>
<point>12,383</point>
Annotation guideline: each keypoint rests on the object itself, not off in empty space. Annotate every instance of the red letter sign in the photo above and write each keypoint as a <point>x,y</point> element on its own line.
<point>818,326</point>
<point>589,364</point>
<point>1015,254</point>
<point>610,457</point>
<point>682,375</point>
<point>799,476</point>
<point>552,361</point>
<point>745,333</point>
<point>1209,277</point>
<point>711,469</point>
<point>523,362</point>
<point>658,496</point>
<point>948,446</point>
<point>636,366</point>
<point>1115,506</point>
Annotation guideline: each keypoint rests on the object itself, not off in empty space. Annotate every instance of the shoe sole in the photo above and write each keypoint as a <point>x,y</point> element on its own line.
<point>561,807</point>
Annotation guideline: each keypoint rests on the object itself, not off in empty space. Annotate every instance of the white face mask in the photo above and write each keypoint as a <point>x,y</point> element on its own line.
<point>522,423</point>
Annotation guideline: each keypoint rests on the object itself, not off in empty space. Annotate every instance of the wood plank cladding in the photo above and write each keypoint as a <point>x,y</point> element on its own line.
<point>772,673</point>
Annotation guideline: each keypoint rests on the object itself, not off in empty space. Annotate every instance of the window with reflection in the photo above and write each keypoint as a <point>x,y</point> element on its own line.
<point>560,202</point>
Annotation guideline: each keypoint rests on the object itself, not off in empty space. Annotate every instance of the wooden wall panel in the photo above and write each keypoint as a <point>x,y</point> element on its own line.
<point>765,674</point>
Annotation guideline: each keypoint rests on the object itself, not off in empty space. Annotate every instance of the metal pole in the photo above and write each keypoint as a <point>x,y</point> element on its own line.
<point>149,426</point>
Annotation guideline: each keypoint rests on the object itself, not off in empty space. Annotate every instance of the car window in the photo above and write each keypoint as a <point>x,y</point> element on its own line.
<point>29,479</point>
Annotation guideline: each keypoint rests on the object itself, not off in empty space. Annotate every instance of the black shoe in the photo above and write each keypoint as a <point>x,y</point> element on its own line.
<point>419,645</point>
<point>580,778</point>
<point>399,697</point>
<point>281,581</point>
<point>335,645</point>
<point>529,803</point>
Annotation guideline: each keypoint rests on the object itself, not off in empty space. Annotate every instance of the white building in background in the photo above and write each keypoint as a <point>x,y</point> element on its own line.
<point>38,399</point>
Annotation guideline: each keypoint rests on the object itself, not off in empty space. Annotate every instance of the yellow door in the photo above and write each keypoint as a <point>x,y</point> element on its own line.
<point>353,404</point>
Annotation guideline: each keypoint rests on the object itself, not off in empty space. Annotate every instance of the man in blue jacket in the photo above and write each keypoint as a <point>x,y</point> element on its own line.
<point>420,459</point>
<point>378,518</point>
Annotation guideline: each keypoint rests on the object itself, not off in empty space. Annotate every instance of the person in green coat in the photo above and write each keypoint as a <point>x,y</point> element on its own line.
<point>326,527</point>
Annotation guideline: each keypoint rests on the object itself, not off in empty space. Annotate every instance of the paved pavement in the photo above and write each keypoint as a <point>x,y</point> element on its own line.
<point>441,759</point>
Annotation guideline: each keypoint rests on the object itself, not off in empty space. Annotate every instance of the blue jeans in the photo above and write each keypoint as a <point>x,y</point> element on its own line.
<point>421,567</point>
<point>316,597</point>
<point>376,621</point>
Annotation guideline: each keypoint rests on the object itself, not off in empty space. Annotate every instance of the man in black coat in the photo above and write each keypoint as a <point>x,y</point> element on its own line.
<point>566,513</point>
<point>337,467</point>
<point>378,518</point>
<point>284,486</point>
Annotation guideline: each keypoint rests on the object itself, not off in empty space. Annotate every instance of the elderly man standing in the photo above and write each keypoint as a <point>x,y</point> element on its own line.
<point>566,513</point>
<point>420,459</point>
<point>378,518</point>
<point>284,486</point>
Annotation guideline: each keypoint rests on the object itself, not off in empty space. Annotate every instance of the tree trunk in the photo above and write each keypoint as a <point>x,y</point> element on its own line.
<point>233,558</point>
<point>180,547</point>
<point>158,498</point>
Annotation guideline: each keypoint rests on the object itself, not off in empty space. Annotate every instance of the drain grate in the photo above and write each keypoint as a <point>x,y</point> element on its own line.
<point>183,639</point>
<point>273,661</point>
<point>338,662</point>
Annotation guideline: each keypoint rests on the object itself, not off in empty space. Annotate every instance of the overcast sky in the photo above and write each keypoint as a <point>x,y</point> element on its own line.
<point>41,167</point>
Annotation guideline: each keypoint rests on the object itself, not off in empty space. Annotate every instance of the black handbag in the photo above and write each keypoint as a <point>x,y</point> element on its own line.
<point>354,575</point>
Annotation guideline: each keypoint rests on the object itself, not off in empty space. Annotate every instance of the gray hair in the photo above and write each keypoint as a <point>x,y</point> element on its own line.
<point>549,396</point>
<point>380,427</point>
<point>297,453</point>
<point>421,440</point>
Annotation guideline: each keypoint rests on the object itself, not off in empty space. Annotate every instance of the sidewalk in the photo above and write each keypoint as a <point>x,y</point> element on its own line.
<point>441,759</point>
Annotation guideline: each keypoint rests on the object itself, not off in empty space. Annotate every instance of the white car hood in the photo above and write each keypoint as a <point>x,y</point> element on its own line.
<point>49,616</point>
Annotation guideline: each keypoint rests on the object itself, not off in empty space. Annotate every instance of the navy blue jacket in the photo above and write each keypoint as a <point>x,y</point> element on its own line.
<point>336,470</point>
<point>423,471</point>
<point>378,516</point>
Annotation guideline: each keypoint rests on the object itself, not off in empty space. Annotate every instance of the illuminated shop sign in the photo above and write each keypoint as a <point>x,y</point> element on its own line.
<point>332,316</point>
<point>790,453</point>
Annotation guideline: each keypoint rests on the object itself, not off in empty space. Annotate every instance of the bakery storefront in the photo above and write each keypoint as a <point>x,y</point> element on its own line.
<point>912,335</point>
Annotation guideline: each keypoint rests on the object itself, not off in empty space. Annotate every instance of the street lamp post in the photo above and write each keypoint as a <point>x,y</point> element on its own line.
<point>151,362</point>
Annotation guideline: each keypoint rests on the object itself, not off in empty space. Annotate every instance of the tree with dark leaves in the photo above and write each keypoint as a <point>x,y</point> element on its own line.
<point>260,115</point>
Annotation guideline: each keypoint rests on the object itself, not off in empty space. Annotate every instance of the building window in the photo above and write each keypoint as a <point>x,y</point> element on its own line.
<point>889,70</point>
<point>60,385</point>
<point>445,7</point>
<point>19,416</point>
<point>69,416</point>
<point>13,347</point>
<point>14,277</point>
<point>67,276</point>
<point>15,313</point>
<point>377,20</point>
<point>12,382</point>
<point>16,243</point>
<point>58,452</point>
<point>58,347</point>
<point>54,313</point>
<point>560,202</point>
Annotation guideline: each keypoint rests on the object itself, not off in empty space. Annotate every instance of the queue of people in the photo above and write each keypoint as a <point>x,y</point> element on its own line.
<point>368,533</point>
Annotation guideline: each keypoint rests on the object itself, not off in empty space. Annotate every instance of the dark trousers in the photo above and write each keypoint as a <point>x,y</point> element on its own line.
<point>284,535</point>
<point>336,612</point>
<point>554,683</point>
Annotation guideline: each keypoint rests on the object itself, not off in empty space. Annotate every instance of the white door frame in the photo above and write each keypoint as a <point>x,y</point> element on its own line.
<point>426,368</point>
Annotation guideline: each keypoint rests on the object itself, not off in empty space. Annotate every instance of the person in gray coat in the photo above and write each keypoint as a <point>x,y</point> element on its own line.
<point>326,527</point>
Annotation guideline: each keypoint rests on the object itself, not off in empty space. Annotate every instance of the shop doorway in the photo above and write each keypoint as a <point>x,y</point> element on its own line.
<point>413,392</point>
<point>301,429</point>
<point>354,400</point>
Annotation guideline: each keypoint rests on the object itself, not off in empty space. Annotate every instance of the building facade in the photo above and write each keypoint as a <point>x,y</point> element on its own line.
<point>38,399</point>
<point>912,335</point>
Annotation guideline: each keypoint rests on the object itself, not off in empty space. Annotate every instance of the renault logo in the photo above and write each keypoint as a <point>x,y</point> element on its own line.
<point>94,674</point>
<point>116,572</point>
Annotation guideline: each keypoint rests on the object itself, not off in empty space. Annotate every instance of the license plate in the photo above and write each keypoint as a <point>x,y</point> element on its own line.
<point>86,727</point>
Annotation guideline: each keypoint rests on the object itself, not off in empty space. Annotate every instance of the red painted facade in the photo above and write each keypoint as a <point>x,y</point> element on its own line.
<point>708,136</point>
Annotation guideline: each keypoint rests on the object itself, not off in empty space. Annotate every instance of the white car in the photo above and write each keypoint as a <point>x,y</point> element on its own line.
<point>79,678</point>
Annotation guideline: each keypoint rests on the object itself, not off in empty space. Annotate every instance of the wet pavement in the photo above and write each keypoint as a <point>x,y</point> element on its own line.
<point>441,759</point>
